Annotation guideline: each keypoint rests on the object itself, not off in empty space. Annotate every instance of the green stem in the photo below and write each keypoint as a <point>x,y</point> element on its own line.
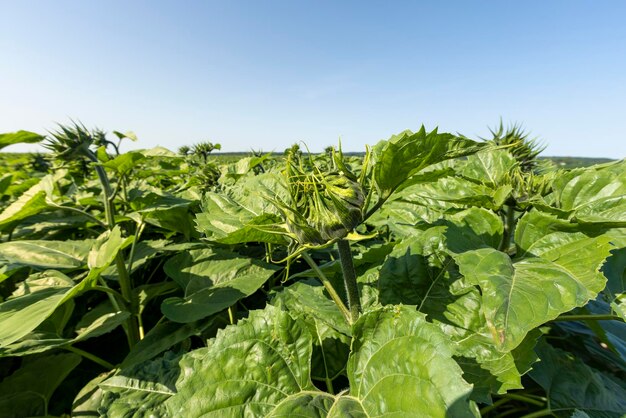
<point>231,315</point>
<point>542,413</point>
<point>132,326</point>
<point>329,386</point>
<point>523,398</point>
<point>104,288</point>
<point>91,357</point>
<point>131,257</point>
<point>509,225</point>
<point>82,212</point>
<point>373,209</point>
<point>588,318</point>
<point>484,411</point>
<point>349,279</point>
<point>328,285</point>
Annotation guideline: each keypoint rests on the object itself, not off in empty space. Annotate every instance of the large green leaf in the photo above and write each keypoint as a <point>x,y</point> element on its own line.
<point>124,163</point>
<point>100,320</point>
<point>418,273</point>
<point>471,229</point>
<point>29,203</point>
<point>163,210</point>
<point>407,153</point>
<point>489,167</point>
<point>164,336</point>
<point>27,392</point>
<point>572,385</point>
<point>557,273</point>
<point>213,280</point>
<point>226,221</point>
<point>400,366</point>
<point>19,137</point>
<point>595,196</point>
<point>47,254</point>
<point>330,331</point>
<point>141,391</point>
<point>23,314</point>
<point>247,370</point>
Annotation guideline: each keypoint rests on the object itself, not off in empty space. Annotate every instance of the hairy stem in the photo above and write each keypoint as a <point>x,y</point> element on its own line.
<point>132,326</point>
<point>509,226</point>
<point>349,279</point>
<point>328,285</point>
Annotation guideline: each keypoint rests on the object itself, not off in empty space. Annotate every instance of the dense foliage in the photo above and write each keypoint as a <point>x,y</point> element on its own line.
<point>435,276</point>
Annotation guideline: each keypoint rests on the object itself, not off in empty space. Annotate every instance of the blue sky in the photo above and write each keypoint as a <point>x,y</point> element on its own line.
<point>266,74</point>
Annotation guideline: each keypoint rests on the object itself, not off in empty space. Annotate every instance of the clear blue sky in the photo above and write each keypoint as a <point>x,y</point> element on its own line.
<point>265,74</point>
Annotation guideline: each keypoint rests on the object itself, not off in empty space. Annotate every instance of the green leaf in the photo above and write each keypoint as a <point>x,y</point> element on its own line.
<point>164,336</point>
<point>41,254</point>
<point>163,210</point>
<point>99,322</point>
<point>106,247</point>
<point>406,154</point>
<point>124,163</point>
<point>5,182</point>
<point>328,327</point>
<point>489,167</point>
<point>140,391</point>
<point>247,370</point>
<point>29,203</point>
<point>557,273</point>
<point>572,385</point>
<point>472,229</point>
<point>213,280</point>
<point>19,137</point>
<point>401,365</point>
<point>594,196</point>
<point>226,221</point>
<point>23,314</point>
<point>27,392</point>
<point>619,305</point>
<point>130,135</point>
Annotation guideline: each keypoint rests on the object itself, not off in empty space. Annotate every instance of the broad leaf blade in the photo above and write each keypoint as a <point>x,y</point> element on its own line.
<point>572,385</point>
<point>401,365</point>
<point>249,369</point>
<point>19,137</point>
<point>213,280</point>
<point>406,154</point>
<point>27,392</point>
<point>556,274</point>
<point>42,254</point>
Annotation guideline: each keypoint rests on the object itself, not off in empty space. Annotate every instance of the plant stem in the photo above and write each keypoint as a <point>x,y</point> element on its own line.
<point>484,411</point>
<point>328,285</point>
<point>82,212</point>
<point>509,225</point>
<point>349,279</point>
<point>231,315</point>
<point>542,413</point>
<point>588,318</point>
<point>104,288</point>
<point>523,398</point>
<point>329,386</point>
<point>132,326</point>
<point>131,256</point>
<point>90,356</point>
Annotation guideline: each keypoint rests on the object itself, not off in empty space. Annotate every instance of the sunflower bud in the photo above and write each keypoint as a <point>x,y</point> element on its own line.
<point>325,206</point>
